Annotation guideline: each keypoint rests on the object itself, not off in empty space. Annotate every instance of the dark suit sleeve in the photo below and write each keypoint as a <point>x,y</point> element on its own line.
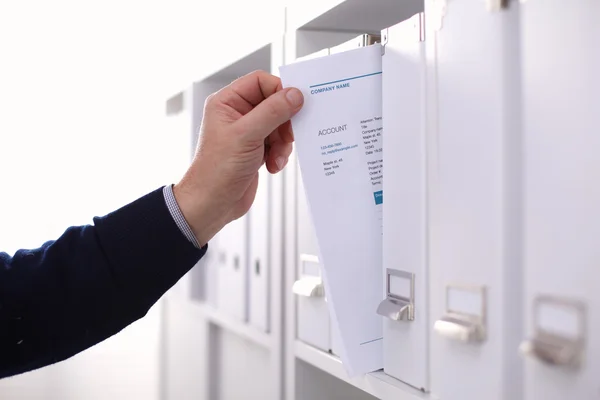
<point>89,284</point>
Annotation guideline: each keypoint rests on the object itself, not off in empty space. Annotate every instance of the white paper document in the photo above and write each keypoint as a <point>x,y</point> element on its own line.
<point>338,136</point>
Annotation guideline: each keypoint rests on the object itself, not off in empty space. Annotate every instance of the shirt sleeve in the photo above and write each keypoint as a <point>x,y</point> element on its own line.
<point>178,217</point>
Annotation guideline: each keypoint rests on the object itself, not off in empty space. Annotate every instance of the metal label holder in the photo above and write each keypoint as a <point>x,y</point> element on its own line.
<point>385,37</point>
<point>553,348</point>
<point>396,307</point>
<point>461,326</point>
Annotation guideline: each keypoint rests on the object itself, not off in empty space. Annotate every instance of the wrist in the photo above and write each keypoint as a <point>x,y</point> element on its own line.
<point>204,219</point>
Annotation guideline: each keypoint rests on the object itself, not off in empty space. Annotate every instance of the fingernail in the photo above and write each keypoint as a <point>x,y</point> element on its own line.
<point>280,162</point>
<point>295,97</point>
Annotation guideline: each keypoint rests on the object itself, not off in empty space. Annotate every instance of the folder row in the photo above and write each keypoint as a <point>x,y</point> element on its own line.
<point>490,118</point>
<point>236,272</point>
<point>491,214</point>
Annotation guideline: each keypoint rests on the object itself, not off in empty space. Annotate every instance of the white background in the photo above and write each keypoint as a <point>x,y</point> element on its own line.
<point>82,93</point>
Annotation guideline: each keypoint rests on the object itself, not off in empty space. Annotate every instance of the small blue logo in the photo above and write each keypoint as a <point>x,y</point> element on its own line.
<point>378,197</point>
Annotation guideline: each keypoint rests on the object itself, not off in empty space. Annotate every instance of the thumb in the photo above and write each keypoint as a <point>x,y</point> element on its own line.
<point>269,114</point>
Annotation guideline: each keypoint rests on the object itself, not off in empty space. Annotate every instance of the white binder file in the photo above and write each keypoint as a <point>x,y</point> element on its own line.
<point>233,269</point>
<point>313,319</point>
<point>341,168</point>
<point>259,265</point>
<point>312,323</point>
<point>405,309</point>
<point>475,227</point>
<point>195,281</point>
<point>561,112</point>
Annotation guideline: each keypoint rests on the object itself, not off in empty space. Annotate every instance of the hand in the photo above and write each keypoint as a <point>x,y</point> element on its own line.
<point>245,125</point>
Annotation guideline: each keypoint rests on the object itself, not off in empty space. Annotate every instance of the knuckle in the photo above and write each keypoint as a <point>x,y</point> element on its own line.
<point>213,98</point>
<point>229,96</point>
<point>209,100</point>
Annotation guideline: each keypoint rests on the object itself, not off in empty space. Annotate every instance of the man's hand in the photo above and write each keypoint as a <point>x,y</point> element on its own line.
<point>245,125</point>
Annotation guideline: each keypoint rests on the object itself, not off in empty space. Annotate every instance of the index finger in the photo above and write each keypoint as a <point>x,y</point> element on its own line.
<point>256,86</point>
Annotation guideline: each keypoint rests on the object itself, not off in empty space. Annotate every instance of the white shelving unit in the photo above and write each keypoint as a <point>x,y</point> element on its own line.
<point>209,354</point>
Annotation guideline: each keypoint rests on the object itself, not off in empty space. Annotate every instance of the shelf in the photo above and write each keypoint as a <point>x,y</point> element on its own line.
<point>215,317</point>
<point>377,384</point>
<point>362,16</point>
<point>329,23</point>
<point>241,329</point>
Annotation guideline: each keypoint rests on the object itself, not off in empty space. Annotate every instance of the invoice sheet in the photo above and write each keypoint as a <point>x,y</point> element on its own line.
<point>338,136</point>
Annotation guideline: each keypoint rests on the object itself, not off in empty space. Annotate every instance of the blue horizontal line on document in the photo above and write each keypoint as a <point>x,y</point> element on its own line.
<point>371,341</point>
<point>347,79</point>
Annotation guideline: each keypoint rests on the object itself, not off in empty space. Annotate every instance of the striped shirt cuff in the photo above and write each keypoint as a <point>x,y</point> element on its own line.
<point>178,217</point>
